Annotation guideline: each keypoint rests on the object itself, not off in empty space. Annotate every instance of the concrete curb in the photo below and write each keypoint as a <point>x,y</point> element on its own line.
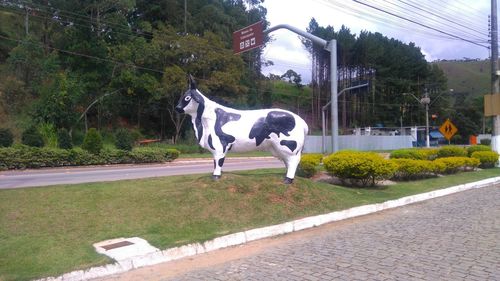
<point>259,233</point>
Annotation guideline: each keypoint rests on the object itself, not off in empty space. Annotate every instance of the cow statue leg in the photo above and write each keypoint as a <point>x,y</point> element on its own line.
<point>218,163</point>
<point>291,162</point>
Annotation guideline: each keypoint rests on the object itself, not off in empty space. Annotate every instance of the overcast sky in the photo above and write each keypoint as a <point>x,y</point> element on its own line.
<point>467,19</point>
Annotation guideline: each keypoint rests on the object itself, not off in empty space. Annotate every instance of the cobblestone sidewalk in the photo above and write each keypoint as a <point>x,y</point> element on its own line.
<point>456,237</point>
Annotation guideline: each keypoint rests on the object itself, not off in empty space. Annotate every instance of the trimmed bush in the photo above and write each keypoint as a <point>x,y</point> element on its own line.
<point>452,165</point>
<point>22,156</point>
<point>31,137</point>
<point>64,139</point>
<point>359,168</point>
<point>414,153</point>
<point>488,159</point>
<point>474,148</point>
<point>409,169</point>
<point>124,139</point>
<point>92,141</point>
<point>308,165</point>
<point>6,137</point>
<point>451,151</point>
<point>471,163</point>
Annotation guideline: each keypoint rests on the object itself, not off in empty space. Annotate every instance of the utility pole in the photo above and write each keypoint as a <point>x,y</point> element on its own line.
<point>426,100</point>
<point>495,87</point>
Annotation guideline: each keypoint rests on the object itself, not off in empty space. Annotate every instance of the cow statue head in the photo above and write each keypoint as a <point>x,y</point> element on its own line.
<point>189,102</point>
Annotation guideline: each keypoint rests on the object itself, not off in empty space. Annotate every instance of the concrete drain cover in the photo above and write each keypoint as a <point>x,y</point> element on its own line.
<point>124,248</point>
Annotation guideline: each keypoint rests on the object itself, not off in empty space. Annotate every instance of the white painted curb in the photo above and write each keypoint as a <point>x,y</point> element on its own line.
<point>259,233</point>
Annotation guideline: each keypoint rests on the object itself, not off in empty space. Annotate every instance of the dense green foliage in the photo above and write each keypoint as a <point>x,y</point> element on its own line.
<point>359,168</point>
<point>21,156</point>
<point>6,137</point>
<point>85,64</point>
<point>488,159</point>
<point>92,141</point>
<point>308,165</point>
<point>32,137</point>
<point>49,134</point>
<point>64,139</point>
<point>107,64</point>
<point>124,139</point>
<point>393,67</point>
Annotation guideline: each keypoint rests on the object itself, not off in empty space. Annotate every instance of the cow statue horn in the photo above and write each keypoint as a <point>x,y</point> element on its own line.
<point>192,83</point>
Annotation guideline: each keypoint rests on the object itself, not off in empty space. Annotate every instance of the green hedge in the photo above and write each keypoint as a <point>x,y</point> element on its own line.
<point>359,168</point>
<point>308,165</point>
<point>22,156</point>
<point>414,153</point>
<point>488,159</point>
<point>410,169</point>
<point>451,165</point>
<point>474,148</point>
<point>451,151</point>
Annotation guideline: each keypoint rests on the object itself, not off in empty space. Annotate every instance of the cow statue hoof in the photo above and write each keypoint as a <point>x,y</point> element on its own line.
<point>215,178</point>
<point>288,180</point>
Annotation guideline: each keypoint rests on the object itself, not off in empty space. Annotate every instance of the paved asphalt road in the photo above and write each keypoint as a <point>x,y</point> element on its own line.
<point>456,237</point>
<point>43,177</point>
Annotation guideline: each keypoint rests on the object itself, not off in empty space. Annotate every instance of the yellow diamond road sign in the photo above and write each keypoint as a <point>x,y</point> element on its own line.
<point>448,129</point>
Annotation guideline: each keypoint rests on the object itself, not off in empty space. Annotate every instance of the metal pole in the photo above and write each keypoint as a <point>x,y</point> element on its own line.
<point>426,100</point>
<point>332,47</point>
<point>185,17</point>
<point>495,87</point>
<point>325,107</point>
<point>323,128</point>
<point>427,139</point>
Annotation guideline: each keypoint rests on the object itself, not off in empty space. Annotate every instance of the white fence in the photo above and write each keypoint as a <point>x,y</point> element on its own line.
<point>314,144</point>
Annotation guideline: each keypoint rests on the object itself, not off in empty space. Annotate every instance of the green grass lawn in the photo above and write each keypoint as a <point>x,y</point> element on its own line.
<point>50,230</point>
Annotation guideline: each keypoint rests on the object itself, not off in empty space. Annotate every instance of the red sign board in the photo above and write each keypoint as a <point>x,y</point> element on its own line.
<point>248,38</point>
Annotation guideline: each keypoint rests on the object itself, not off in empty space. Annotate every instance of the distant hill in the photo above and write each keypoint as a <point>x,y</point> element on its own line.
<point>467,76</point>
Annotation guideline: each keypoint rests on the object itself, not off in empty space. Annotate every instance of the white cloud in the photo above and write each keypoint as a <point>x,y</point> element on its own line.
<point>287,50</point>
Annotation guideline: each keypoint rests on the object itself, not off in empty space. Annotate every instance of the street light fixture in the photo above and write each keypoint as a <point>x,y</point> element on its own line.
<point>426,100</point>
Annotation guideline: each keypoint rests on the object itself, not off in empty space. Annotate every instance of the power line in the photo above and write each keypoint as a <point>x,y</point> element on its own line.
<point>418,23</point>
<point>85,55</point>
<point>21,13</point>
<point>442,17</point>
<point>429,20</point>
<point>451,11</point>
<point>381,20</point>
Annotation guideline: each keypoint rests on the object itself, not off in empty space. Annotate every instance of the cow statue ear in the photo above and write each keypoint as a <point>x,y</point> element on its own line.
<point>191,82</point>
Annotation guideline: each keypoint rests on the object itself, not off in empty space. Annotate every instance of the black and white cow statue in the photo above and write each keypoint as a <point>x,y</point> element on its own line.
<point>221,129</point>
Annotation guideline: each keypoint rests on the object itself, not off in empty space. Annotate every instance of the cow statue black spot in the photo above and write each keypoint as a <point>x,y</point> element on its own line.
<point>221,129</point>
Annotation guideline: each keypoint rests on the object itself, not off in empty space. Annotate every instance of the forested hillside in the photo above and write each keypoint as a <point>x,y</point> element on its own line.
<point>126,62</point>
<point>121,63</point>
<point>470,81</point>
<point>472,76</point>
<point>394,70</point>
